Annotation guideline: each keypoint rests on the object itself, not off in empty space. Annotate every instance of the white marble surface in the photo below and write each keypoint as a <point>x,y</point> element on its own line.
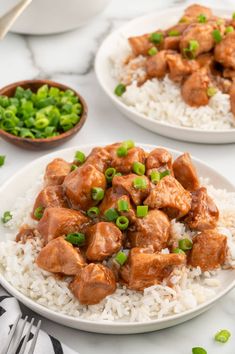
<point>68,58</point>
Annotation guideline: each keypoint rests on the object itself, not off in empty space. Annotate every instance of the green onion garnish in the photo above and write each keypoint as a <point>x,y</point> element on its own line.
<point>139,183</point>
<point>142,211</point>
<point>76,238</point>
<point>138,168</point>
<point>185,244</point>
<point>129,144</point>
<point>202,18</point>
<point>164,174</point>
<point>120,89</point>
<point>123,205</point>
<point>97,193</point>
<point>211,91</point>
<point>229,29</point>
<point>191,49</point>
<point>198,350</point>
<point>152,51</point>
<point>217,36</point>
<point>6,217</point>
<point>122,151</point>
<point>38,213</point>
<point>222,336</point>
<point>122,222</point>
<point>178,250</point>
<point>233,16</point>
<point>174,33</point>
<point>2,160</point>
<point>121,258</point>
<point>73,167</point>
<point>155,177</point>
<point>156,38</point>
<point>111,214</point>
<point>110,173</point>
<point>79,157</point>
<point>93,212</point>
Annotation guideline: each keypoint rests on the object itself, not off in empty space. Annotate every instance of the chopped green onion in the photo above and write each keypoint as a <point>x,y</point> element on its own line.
<point>174,33</point>
<point>185,244</point>
<point>183,20</point>
<point>202,18</point>
<point>191,49</point>
<point>222,336</point>
<point>76,238</point>
<point>217,36</point>
<point>211,91</point>
<point>119,90</point>
<point>229,29</point>
<point>93,212</point>
<point>155,177</point>
<point>121,258</point>
<point>80,157</point>
<point>233,16</point>
<point>111,214</point>
<point>142,211</point>
<point>138,168</point>
<point>97,193</point>
<point>73,167</point>
<point>139,183</point>
<point>156,38</point>
<point>129,144</point>
<point>2,160</point>
<point>6,217</point>
<point>164,174</point>
<point>198,350</point>
<point>41,123</point>
<point>122,151</point>
<point>152,51</point>
<point>123,205</point>
<point>110,173</point>
<point>38,213</point>
<point>178,250</point>
<point>122,222</point>
<point>118,174</point>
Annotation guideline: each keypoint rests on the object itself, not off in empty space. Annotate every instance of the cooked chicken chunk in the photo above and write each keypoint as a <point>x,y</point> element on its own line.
<point>156,65</point>
<point>172,43</point>
<point>232,97</point>
<point>103,239</point>
<point>159,159</point>
<point>125,184</point>
<point>178,28</point>
<point>204,214</point>
<point>79,183</point>
<point>225,51</point>
<point>152,230</point>
<point>209,250</point>
<point>170,196</point>
<point>59,256</point>
<point>194,88</point>
<point>180,68</point>
<point>60,221</point>
<point>100,158</point>
<point>56,171</point>
<point>192,12</point>
<point>50,196</point>
<point>185,172</point>
<point>144,268</point>
<point>205,60</point>
<point>140,45</point>
<point>93,284</point>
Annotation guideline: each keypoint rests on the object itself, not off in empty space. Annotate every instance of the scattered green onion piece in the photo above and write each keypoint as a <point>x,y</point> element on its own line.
<point>174,33</point>
<point>119,90</point>
<point>185,244</point>
<point>110,173</point>
<point>38,213</point>
<point>178,250</point>
<point>183,20</point>
<point>217,36</point>
<point>129,144</point>
<point>2,160</point>
<point>222,336</point>
<point>233,16</point>
<point>122,151</point>
<point>93,212</point>
<point>190,51</point>
<point>118,174</point>
<point>211,91</point>
<point>152,51</point>
<point>6,217</point>
<point>121,258</point>
<point>111,214</point>
<point>155,177</point>
<point>73,167</point>
<point>123,205</point>
<point>138,168</point>
<point>76,238</point>
<point>142,211</point>
<point>198,350</point>
<point>139,183</point>
<point>164,174</point>
<point>97,193</point>
<point>202,18</point>
<point>79,157</point>
<point>156,37</point>
<point>229,29</point>
<point>122,222</point>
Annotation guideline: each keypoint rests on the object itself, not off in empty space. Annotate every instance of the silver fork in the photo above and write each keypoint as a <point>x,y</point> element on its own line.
<point>20,328</point>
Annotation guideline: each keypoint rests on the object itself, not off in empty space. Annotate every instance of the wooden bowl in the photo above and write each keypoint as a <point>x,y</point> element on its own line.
<point>45,143</point>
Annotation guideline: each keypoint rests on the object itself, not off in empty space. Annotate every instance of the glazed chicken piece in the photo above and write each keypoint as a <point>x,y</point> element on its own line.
<point>99,158</point>
<point>60,221</point>
<point>179,67</point>
<point>160,160</point>
<point>192,12</point>
<point>156,65</point>
<point>59,256</point>
<point>144,268</point>
<point>225,51</point>
<point>140,45</point>
<point>56,171</point>
<point>172,43</point>
<point>209,250</point>
<point>125,185</point>
<point>229,73</point>
<point>170,196</point>
<point>50,196</point>
<point>194,88</point>
<point>185,172</point>
<point>205,60</point>
<point>79,183</point>
<point>124,164</point>
<point>103,239</point>
<point>152,230</point>
<point>232,97</point>
<point>204,214</point>
<point>93,284</point>
<point>179,27</point>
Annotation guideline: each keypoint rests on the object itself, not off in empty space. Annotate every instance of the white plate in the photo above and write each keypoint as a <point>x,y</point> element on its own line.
<point>24,179</point>
<point>144,24</point>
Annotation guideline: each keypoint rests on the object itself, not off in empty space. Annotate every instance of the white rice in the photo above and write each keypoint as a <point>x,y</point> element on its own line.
<point>190,288</point>
<point>161,99</point>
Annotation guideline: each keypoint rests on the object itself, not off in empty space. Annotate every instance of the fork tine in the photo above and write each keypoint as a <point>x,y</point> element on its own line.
<point>18,339</point>
<point>32,347</point>
<point>26,337</point>
<point>10,335</point>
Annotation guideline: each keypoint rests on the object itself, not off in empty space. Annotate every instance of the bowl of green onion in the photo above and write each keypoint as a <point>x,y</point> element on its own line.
<point>40,114</point>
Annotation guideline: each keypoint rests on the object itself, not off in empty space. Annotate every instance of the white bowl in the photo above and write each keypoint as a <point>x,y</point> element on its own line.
<point>54,16</point>
<point>24,179</point>
<point>140,25</point>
